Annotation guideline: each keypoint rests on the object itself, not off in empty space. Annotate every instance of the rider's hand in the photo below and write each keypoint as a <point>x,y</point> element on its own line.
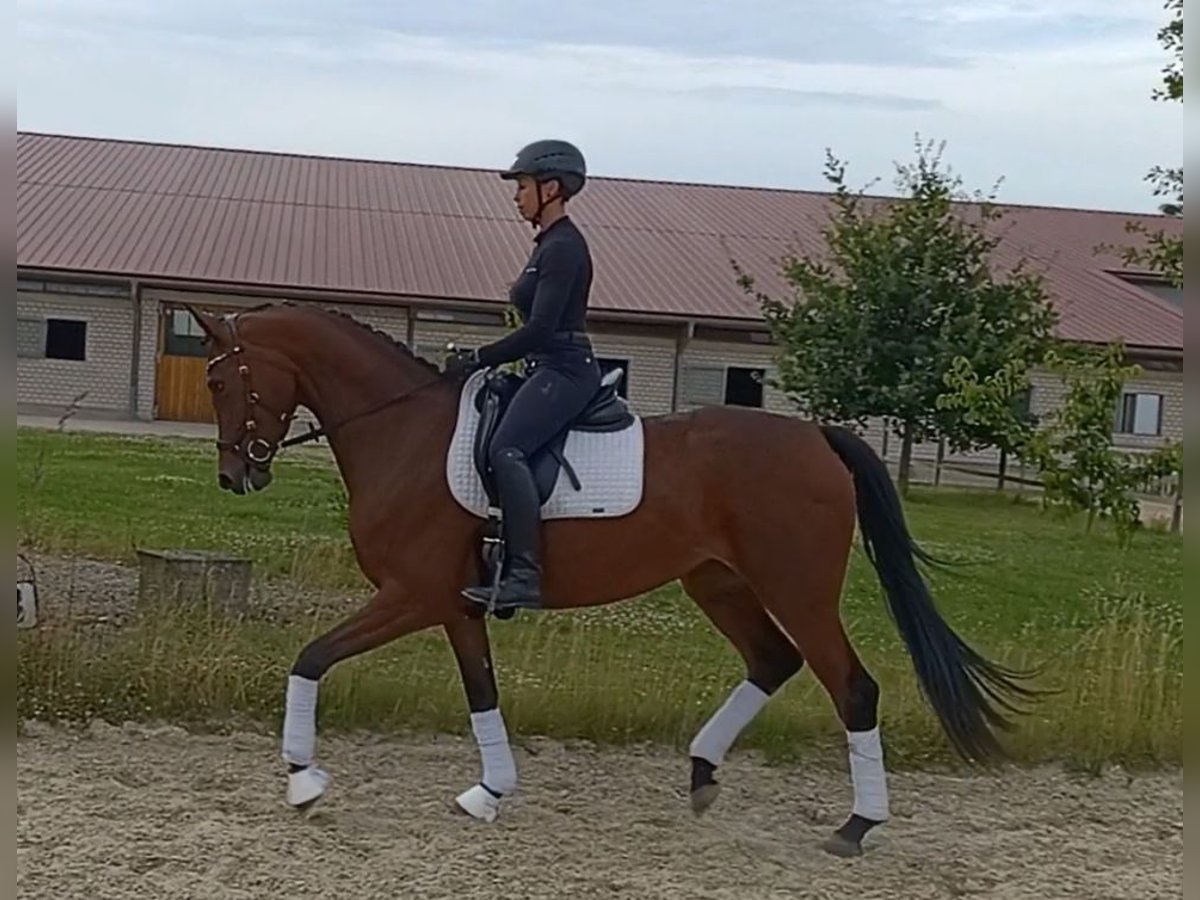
<point>462,361</point>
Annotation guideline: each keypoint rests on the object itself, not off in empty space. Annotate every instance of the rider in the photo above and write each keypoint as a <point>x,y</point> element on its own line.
<point>551,296</point>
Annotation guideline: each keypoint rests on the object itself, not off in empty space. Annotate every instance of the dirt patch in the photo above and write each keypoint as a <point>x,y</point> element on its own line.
<point>140,812</point>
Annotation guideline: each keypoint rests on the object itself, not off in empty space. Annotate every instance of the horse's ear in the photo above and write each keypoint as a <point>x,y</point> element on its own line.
<point>206,321</point>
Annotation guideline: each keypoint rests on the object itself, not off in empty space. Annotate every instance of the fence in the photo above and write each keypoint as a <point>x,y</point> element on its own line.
<point>1158,498</point>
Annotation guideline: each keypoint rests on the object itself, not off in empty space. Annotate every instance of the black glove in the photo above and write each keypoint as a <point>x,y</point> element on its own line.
<point>462,361</point>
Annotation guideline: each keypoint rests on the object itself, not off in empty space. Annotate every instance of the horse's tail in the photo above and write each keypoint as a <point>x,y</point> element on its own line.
<point>962,687</point>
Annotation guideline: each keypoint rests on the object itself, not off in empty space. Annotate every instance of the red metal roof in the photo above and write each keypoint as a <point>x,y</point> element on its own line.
<point>278,220</point>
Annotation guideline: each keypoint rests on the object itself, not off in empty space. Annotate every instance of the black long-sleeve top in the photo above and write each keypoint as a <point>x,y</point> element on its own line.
<point>551,295</point>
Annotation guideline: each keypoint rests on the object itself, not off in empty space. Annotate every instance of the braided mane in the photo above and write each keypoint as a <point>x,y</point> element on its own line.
<point>393,343</point>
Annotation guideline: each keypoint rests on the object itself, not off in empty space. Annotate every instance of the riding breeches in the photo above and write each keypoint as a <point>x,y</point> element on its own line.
<point>548,400</point>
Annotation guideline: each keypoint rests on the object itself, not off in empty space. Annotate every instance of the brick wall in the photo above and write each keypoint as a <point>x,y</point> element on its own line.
<point>104,373</point>
<point>651,368</point>
<point>704,355</point>
<point>431,337</point>
<point>1049,390</point>
<point>148,357</point>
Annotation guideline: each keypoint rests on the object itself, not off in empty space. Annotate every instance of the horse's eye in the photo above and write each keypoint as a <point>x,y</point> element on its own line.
<point>216,387</point>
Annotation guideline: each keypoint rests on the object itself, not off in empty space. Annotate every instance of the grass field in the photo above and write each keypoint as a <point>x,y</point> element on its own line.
<point>1105,622</point>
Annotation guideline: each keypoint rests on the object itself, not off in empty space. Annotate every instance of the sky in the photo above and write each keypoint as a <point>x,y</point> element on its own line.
<point>1053,97</point>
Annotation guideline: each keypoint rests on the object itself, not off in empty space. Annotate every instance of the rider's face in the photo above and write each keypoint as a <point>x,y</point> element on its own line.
<point>526,196</point>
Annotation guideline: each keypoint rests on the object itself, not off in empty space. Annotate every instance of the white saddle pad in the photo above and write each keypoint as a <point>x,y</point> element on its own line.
<point>609,466</point>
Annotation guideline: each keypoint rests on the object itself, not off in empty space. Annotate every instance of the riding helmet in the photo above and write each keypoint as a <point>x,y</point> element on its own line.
<point>547,159</point>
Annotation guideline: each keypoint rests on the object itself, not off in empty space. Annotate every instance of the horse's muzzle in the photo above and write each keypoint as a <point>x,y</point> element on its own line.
<point>237,476</point>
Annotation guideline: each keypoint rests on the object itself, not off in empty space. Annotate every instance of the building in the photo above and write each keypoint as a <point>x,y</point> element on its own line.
<point>113,236</point>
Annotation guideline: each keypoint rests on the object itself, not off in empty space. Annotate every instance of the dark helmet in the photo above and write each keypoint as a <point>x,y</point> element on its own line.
<point>544,160</point>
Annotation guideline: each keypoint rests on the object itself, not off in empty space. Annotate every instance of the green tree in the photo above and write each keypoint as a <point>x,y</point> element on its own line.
<point>1073,449</point>
<point>1162,252</point>
<point>996,408</point>
<point>900,290</point>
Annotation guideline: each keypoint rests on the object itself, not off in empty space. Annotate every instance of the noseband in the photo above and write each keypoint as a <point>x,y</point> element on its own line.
<point>255,449</point>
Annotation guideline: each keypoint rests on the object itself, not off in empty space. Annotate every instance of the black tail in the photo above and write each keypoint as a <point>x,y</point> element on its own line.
<point>963,687</point>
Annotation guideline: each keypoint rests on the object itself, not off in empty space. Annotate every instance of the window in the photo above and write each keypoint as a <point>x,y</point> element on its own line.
<point>744,387</point>
<point>607,364</point>
<point>39,338</point>
<point>66,339</point>
<point>1022,406</point>
<point>1140,414</point>
<point>184,335</point>
<point>716,385</point>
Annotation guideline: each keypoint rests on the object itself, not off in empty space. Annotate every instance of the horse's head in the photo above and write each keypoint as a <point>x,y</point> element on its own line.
<point>254,391</point>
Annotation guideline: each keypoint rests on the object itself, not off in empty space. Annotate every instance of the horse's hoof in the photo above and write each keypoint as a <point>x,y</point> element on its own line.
<point>843,847</point>
<point>479,803</point>
<point>306,787</point>
<point>705,796</point>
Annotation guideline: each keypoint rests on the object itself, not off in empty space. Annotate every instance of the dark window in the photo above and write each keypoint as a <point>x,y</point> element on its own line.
<point>1140,414</point>
<point>66,339</point>
<point>607,364</point>
<point>744,387</point>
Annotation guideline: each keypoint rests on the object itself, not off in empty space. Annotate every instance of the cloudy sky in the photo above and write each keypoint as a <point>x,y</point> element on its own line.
<point>1051,95</point>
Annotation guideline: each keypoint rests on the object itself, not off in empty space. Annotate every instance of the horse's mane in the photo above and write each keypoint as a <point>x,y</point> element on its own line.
<point>393,344</point>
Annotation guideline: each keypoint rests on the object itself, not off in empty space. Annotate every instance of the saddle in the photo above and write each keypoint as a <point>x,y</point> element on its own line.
<point>607,411</point>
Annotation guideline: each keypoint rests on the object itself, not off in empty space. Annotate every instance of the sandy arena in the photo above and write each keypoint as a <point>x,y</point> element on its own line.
<point>144,812</point>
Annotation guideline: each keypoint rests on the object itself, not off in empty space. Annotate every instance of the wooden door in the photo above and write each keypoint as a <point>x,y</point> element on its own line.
<point>180,392</point>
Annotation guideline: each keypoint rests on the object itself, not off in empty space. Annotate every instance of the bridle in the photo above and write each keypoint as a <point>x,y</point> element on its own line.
<point>255,449</point>
<point>258,450</point>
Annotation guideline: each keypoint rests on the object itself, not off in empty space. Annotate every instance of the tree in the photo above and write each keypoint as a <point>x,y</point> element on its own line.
<point>903,288</point>
<point>1163,253</point>
<point>1073,449</point>
<point>995,409</point>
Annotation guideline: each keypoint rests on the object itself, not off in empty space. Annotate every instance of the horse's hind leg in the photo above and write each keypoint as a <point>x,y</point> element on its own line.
<point>802,592</point>
<point>770,656</point>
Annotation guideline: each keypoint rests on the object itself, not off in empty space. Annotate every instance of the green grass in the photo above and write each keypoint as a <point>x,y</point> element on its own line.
<point>1035,589</point>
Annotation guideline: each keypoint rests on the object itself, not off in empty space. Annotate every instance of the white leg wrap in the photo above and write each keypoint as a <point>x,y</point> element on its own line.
<point>713,741</point>
<point>300,721</point>
<point>868,775</point>
<point>499,768</point>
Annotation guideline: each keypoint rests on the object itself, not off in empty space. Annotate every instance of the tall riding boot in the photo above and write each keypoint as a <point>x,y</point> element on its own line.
<point>521,583</point>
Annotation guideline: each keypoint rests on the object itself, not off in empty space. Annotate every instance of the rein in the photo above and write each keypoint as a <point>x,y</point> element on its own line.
<point>261,451</point>
<point>315,433</point>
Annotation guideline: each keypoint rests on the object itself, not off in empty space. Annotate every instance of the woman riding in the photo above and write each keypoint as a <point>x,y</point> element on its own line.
<point>551,296</point>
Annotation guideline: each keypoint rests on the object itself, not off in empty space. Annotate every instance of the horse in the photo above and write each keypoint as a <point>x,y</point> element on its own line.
<point>753,513</point>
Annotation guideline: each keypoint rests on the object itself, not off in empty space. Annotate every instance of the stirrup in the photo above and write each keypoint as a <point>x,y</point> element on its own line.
<point>488,598</point>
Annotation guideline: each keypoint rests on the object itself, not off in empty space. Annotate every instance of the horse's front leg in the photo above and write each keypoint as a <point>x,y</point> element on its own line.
<point>469,640</point>
<point>390,614</point>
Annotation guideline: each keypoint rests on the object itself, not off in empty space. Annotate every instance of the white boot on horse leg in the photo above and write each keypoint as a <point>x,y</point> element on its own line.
<point>482,800</point>
<point>718,734</point>
<point>306,783</point>
<point>869,778</point>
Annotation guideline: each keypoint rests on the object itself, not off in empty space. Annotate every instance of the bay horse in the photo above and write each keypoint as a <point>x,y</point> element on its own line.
<point>753,512</point>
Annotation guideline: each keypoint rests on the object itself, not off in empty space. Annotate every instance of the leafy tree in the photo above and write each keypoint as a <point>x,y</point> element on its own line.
<point>996,407</point>
<point>901,289</point>
<point>1163,253</point>
<point>1073,449</point>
